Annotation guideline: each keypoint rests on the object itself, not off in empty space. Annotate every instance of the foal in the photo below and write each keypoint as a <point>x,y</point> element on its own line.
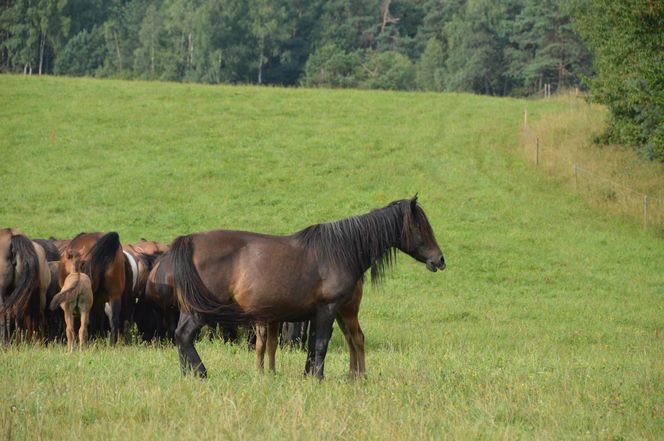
<point>76,293</point>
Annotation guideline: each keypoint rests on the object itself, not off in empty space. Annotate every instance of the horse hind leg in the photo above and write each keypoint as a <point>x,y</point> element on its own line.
<point>261,331</point>
<point>83,329</point>
<point>351,347</point>
<point>350,326</point>
<point>311,347</point>
<point>185,334</point>
<point>69,323</point>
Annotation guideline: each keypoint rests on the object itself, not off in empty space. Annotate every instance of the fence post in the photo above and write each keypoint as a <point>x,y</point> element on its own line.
<point>525,126</point>
<point>537,151</point>
<point>645,211</point>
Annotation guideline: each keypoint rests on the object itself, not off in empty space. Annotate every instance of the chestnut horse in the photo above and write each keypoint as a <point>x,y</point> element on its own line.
<point>103,261</point>
<point>235,277</point>
<point>24,279</point>
<point>76,294</point>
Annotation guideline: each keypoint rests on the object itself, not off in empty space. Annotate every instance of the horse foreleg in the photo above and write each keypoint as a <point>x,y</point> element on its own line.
<point>311,347</point>
<point>260,329</point>
<point>185,334</point>
<point>325,315</point>
<point>272,340</point>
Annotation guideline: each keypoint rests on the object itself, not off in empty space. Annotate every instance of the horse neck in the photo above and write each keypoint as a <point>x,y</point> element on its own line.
<point>358,243</point>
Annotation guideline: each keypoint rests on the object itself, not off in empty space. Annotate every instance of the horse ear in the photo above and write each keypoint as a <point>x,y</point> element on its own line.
<point>413,203</point>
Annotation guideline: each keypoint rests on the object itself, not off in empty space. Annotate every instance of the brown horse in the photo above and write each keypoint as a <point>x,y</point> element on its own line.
<point>149,247</point>
<point>139,260</point>
<point>24,279</point>
<point>159,306</point>
<point>234,277</point>
<point>103,261</point>
<point>76,294</point>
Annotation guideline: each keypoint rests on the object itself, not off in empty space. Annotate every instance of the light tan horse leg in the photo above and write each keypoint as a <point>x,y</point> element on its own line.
<point>69,322</point>
<point>261,337</point>
<point>272,337</point>
<point>83,330</point>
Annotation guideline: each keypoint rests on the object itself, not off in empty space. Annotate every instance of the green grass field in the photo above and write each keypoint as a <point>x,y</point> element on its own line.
<point>547,324</point>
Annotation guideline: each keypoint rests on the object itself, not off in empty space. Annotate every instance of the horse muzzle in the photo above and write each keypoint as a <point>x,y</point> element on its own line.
<point>434,265</point>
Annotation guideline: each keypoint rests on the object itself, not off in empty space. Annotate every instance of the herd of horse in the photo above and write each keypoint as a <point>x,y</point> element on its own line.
<point>224,278</point>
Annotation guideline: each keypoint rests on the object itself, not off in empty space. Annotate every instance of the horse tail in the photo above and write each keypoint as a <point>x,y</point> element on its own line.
<point>192,294</point>
<point>27,284</point>
<point>101,255</point>
<point>66,295</point>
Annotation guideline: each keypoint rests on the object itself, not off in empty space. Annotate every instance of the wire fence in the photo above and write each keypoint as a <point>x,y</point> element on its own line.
<point>599,189</point>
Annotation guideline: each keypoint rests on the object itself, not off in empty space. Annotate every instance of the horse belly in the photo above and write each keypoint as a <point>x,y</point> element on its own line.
<point>280,286</point>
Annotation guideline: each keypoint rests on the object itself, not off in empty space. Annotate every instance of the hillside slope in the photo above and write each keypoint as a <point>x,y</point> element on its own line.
<point>546,324</point>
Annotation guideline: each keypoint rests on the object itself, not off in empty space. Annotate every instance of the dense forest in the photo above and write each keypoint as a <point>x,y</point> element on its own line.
<point>509,47</point>
<point>493,47</point>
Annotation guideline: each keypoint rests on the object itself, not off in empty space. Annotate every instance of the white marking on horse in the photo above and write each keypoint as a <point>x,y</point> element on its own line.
<point>134,269</point>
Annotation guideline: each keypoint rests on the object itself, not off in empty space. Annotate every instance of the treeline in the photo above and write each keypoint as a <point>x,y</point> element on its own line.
<point>507,47</point>
<point>627,40</point>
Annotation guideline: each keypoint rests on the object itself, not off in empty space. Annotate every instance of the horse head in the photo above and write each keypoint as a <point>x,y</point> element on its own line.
<point>417,238</point>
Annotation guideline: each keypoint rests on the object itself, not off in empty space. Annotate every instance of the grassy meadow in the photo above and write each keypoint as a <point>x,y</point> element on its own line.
<point>547,324</point>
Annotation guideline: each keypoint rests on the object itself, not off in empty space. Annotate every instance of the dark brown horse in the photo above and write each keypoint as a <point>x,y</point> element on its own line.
<point>140,258</point>
<point>24,279</point>
<point>103,261</point>
<point>234,277</point>
<point>159,307</point>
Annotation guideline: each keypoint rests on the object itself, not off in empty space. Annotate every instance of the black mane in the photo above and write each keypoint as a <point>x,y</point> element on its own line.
<point>360,242</point>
